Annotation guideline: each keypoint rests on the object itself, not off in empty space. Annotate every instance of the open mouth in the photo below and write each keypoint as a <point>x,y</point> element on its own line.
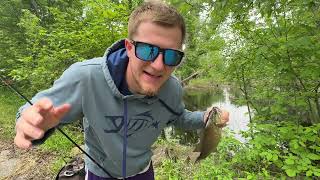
<point>151,75</point>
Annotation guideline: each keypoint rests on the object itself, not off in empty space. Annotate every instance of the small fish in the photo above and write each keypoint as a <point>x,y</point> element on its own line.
<point>209,137</point>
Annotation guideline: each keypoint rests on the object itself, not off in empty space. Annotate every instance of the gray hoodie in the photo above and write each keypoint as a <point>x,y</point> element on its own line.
<point>119,129</point>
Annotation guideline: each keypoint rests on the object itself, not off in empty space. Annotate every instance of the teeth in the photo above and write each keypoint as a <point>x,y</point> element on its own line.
<point>149,74</point>
<point>152,74</point>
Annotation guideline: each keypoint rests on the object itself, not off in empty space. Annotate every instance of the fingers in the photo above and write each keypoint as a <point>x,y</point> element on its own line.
<point>35,114</point>
<point>26,133</point>
<point>44,115</point>
<point>224,119</point>
<point>225,116</point>
<point>43,105</point>
<point>36,120</point>
<point>28,130</point>
<point>54,116</point>
<point>32,116</point>
<point>60,111</point>
<point>21,141</point>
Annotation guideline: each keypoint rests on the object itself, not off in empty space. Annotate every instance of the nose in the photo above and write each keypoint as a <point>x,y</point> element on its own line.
<point>158,64</point>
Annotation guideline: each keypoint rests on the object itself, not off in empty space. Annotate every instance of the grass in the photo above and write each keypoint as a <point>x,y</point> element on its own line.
<point>61,147</point>
<point>57,144</point>
<point>9,104</point>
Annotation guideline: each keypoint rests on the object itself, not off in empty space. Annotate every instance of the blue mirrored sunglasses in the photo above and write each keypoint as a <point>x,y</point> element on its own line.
<point>149,52</point>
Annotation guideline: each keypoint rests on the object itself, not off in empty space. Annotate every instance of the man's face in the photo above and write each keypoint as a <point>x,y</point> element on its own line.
<point>147,77</point>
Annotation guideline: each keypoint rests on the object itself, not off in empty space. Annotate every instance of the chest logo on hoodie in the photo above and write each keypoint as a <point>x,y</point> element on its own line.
<point>135,124</point>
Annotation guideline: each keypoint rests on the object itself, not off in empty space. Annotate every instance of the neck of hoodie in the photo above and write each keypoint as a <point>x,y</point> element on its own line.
<point>117,63</point>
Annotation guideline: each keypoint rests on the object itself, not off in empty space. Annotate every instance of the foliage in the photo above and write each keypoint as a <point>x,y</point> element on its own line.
<point>56,144</point>
<point>202,46</point>
<point>277,151</point>
<point>283,148</point>
<point>59,34</point>
<point>45,37</point>
<point>270,50</point>
<point>276,60</point>
<point>200,101</point>
<point>9,103</point>
<point>62,147</point>
<point>11,38</point>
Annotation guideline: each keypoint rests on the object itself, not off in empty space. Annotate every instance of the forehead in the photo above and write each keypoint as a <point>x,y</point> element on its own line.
<point>162,36</point>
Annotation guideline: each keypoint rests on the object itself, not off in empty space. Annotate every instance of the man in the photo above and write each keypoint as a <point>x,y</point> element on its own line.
<point>125,97</point>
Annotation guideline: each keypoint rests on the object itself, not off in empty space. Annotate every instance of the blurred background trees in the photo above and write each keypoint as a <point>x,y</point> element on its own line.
<point>268,49</point>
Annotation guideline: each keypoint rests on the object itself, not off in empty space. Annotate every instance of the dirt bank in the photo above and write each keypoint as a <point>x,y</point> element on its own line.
<point>24,164</point>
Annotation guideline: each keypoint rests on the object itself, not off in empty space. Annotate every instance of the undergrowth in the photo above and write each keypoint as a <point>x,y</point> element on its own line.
<point>57,144</point>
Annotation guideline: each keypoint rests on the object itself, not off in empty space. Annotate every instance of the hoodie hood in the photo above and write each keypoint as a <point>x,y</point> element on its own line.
<point>117,62</point>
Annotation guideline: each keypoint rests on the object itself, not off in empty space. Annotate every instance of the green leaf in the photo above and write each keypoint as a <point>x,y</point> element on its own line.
<point>302,144</point>
<point>313,156</point>
<point>294,144</point>
<point>309,173</point>
<point>269,156</point>
<point>250,176</point>
<point>258,146</point>
<point>289,161</point>
<point>291,172</point>
<point>274,157</point>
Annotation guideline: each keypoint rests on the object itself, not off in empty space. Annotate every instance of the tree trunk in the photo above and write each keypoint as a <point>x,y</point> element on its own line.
<point>194,75</point>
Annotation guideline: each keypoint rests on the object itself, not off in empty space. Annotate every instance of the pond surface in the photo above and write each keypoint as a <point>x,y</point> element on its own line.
<point>196,99</point>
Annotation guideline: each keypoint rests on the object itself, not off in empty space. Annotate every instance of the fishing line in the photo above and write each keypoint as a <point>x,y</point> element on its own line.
<point>2,78</point>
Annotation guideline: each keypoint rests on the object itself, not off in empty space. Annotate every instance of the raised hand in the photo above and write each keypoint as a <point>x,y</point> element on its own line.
<point>36,120</point>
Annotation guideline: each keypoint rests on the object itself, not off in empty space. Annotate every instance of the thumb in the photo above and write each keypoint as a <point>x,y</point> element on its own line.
<point>224,119</point>
<point>225,116</point>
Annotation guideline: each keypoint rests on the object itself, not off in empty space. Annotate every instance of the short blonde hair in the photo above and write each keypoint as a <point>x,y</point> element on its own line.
<point>157,12</point>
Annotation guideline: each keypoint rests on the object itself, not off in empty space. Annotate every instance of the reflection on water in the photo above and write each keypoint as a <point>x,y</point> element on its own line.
<point>200,100</point>
<point>239,117</point>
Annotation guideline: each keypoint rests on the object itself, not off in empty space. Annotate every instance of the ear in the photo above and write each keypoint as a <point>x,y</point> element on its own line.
<point>129,48</point>
<point>128,45</point>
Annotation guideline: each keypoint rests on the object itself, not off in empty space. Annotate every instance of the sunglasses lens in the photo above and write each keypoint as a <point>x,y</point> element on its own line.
<point>172,57</point>
<point>149,52</point>
<point>146,52</point>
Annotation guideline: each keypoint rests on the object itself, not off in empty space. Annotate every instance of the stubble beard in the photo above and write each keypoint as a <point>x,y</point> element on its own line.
<point>144,90</point>
<point>149,91</point>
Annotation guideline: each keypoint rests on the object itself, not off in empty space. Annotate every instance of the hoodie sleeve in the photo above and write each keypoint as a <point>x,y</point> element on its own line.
<point>189,120</point>
<point>186,119</point>
<point>67,89</point>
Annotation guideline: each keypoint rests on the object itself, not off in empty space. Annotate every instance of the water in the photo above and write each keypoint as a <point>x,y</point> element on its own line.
<point>239,116</point>
<point>200,100</point>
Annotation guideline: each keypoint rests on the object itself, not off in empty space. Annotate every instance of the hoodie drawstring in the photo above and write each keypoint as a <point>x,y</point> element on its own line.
<point>124,153</point>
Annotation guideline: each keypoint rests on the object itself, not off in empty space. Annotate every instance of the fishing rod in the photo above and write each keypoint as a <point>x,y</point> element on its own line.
<point>2,78</point>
